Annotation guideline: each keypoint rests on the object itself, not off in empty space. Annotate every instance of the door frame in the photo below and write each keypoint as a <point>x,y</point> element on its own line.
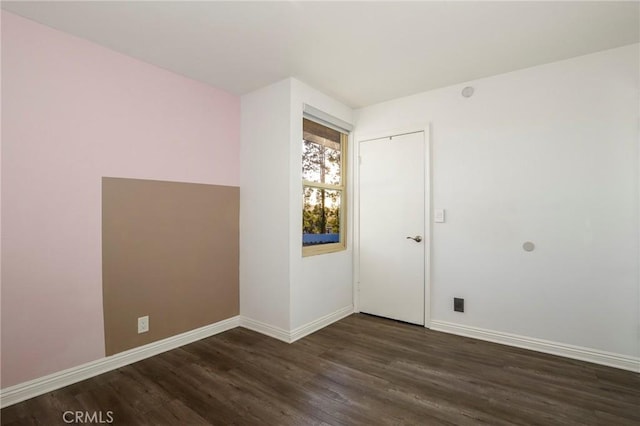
<point>367,136</point>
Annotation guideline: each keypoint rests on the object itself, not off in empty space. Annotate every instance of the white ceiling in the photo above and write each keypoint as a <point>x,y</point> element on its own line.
<point>359,52</point>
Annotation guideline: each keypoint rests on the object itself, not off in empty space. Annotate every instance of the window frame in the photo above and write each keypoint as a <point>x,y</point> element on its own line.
<point>341,245</point>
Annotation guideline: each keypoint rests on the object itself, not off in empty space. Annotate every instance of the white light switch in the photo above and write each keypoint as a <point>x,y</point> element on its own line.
<point>438,215</point>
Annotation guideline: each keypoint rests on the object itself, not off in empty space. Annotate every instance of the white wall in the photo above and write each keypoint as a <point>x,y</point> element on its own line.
<point>320,285</point>
<point>547,154</point>
<point>264,201</point>
<point>278,287</point>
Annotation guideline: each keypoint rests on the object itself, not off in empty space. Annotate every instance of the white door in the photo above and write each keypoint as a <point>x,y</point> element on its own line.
<point>392,227</point>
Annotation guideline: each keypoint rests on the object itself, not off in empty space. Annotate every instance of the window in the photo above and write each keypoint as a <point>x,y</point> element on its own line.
<point>323,187</point>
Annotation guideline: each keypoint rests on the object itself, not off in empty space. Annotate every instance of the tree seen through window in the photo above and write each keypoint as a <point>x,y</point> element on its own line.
<point>323,186</point>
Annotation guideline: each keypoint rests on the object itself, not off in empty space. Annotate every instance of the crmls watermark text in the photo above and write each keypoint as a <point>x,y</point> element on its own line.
<point>87,417</point>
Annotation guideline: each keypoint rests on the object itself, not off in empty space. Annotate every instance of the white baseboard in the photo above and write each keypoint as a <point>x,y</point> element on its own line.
<point>51,382</point>
<point>296,333</point>
<point>313,326</point>
<point>569,351</point>
<point>264,328</point>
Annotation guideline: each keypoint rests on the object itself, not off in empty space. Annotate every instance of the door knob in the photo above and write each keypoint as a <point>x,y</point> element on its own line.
<point>417,238</point>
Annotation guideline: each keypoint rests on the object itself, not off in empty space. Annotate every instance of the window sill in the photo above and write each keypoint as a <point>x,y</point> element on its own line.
<point>322,249</point>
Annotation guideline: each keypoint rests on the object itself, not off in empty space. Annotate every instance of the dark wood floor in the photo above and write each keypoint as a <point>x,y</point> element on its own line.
<point>360,371</point>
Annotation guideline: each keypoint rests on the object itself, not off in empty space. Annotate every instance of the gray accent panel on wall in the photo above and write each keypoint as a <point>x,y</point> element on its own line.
<point>170,251</point>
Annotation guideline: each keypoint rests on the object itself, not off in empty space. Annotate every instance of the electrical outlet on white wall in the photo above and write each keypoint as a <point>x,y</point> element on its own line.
<point>143,324</point>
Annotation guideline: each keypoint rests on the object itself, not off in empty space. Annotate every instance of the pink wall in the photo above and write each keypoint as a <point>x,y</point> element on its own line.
<point>73,112</point>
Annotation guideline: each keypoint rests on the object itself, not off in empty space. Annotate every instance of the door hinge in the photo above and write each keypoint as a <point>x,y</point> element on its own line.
<point>359,159</point>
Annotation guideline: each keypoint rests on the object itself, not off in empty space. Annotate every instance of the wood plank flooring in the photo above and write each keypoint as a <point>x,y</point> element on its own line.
<point>361,370</point>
